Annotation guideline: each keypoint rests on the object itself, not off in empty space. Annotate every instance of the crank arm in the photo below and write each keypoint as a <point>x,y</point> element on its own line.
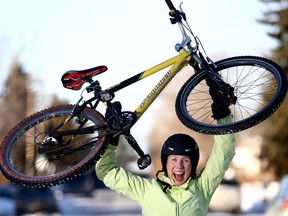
<point>145,160</point>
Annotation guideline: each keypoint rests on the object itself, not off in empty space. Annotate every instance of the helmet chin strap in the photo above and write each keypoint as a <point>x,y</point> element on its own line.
<point>165,184</point>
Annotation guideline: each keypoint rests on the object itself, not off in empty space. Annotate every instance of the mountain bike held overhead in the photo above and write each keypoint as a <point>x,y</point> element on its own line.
<point>60,143</point>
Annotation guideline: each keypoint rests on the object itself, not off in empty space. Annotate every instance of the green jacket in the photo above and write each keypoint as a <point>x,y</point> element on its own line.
<point>189,199</point>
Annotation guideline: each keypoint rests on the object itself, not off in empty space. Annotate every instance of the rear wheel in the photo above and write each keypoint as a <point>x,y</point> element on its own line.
<point>45,149</point>
<point>259,84</point>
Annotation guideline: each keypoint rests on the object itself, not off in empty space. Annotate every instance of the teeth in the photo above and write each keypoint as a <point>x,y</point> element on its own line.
<point>179,173</point>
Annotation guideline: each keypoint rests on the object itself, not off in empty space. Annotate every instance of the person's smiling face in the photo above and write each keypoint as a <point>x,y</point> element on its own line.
<point>179,168</point>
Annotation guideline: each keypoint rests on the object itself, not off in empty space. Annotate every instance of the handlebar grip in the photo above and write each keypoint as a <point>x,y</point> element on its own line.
<point>170,5</point>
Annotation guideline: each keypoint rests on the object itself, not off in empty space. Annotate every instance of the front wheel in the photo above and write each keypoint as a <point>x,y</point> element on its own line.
<point>260,86</point>
<point>51,146</point>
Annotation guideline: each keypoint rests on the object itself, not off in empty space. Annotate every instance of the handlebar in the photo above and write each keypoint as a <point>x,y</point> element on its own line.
<point>176,17</point>
<point>170,6</point>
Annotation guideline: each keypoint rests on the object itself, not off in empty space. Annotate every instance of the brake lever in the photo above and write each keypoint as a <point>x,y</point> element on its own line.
<point>177,15</point>
<point>182,11</point>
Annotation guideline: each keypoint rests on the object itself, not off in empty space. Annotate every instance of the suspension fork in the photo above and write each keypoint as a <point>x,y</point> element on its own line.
<point>199,64</point>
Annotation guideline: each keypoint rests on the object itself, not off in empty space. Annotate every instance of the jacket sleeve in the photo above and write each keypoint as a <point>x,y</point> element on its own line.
<point>117,178</point>
<point>222,154</point>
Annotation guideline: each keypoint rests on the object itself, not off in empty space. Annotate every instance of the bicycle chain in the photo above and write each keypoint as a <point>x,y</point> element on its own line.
<point>121,129</point>
<point>60,148</point>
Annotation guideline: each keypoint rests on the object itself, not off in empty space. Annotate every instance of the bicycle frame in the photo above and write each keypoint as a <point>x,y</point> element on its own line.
<point>177,63</point>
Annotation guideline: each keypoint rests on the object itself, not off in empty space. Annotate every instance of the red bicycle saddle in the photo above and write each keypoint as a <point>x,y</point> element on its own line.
<point>74,79</point>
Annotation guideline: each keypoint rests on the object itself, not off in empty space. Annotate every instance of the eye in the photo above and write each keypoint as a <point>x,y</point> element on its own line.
<point>187,160</point>
<point>172,159</point>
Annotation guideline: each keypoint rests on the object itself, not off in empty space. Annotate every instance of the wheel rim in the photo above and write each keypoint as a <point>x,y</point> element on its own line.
<point>255,87</point>
<point>53,162</point>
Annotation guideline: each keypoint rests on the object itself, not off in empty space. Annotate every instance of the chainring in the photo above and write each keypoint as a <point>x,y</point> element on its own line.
<point>124,123</point>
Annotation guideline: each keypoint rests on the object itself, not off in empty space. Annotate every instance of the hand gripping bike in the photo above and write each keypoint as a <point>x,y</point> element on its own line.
<point>62,142</point>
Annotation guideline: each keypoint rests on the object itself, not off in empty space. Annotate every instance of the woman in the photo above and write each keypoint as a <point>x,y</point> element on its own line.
<point>179,191</point>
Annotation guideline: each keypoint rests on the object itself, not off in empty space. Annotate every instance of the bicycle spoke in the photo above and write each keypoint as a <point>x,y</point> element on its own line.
<point>257,86</point>
<point>36,155</point>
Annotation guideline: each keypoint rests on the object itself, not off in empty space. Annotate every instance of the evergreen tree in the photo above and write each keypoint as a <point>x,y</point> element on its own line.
<point>16,101</point>
<point>275,148</point>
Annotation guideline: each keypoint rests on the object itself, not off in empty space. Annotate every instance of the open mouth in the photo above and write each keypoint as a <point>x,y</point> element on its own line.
<point>178,175</point>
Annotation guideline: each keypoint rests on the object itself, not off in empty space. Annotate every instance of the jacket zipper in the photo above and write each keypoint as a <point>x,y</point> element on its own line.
<point>177,209</point>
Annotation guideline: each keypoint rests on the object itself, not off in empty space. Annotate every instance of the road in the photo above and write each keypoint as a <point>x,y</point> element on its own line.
<point>106,202</point>
<point>102,202</point>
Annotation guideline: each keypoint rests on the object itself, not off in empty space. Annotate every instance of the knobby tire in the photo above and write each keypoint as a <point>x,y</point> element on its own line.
<point>259,84</point>
<point>26,161</point>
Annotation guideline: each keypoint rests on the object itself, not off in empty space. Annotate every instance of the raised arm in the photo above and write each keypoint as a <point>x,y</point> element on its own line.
<point>224,145</point>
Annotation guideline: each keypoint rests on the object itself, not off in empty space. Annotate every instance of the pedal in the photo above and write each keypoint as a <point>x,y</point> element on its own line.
<point>144,161</point>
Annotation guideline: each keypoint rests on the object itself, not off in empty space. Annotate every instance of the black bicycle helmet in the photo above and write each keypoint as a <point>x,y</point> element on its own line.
<point>180,144</point>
